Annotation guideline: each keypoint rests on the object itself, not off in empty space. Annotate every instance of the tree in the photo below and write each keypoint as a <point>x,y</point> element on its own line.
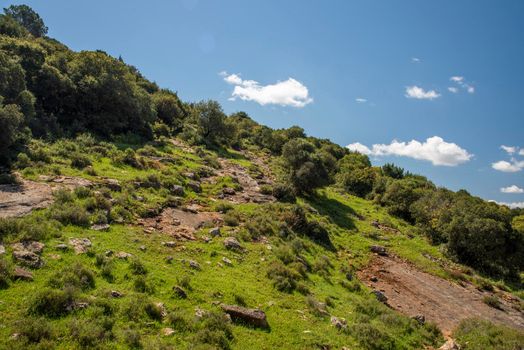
<point>27,18</point>
<point>211,121</point>
<point>12,78</point>
<point>391,170</point>
<point>10,120</point>
<point>10,27</point>
<point>168,108</point>
<point>305,167</point>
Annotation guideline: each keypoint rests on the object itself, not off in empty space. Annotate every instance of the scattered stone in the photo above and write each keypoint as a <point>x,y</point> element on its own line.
<point>169,259</point>
<point>179,292</point>
<point>116,294</point>
<point>166,332</point>
<point>214,232</point>
<point>100,227</point>
<point>421,319</point>
<point>2,249</point>
<point>227,261</point>
<point>349,276</point>
<point>142,248</point>
<point>177,190</point>
<point>229,191</point>
<point>339,323</point>
<point>193,208</point>
<point>62,246</point>
<point>195,186</point>
<point>191,176</point>
<point>108,253</point>
<point>206,239</point>
<point>380,296</point>
<point>123,255</point>
<point>199,313</point>
<point>450,345</point>
<point>232,243</point>
<point>80,245</point>
<point>162,308</point>
<point>375,223</point>
<point>112,184</point>
<point>32,246</point>
<point>170,244</point>
<point>194,265</point>
<point>379,250</point>
<point>80,305</point>
<point>22,274</point>
<point>28,258</point>
<point>254,317</point>
<point>374,279</point>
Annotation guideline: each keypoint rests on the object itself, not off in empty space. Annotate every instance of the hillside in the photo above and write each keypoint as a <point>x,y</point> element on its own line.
<point>131,219</point>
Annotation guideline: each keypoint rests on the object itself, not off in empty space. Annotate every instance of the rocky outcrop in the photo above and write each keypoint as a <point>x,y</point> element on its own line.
<point>80,245</point>
<point>28,253</point>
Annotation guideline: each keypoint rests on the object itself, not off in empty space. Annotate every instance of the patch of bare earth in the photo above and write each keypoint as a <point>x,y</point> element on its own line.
<point>20,199</point>
<point>181,224</point>
<point>445,303</point>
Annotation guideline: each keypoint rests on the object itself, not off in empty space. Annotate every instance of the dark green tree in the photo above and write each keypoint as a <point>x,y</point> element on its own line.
<point>27,18</point>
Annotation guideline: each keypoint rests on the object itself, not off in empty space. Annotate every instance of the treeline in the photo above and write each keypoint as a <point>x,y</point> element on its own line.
<point>48,91</point>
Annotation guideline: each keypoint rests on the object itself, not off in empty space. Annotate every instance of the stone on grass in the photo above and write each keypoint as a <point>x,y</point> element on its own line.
<point>214,232</point>
<point>22,274</point>
<point>166,332</point>
<point>116,294</point>
<point>229,191</point>
<point>2,249</point>
<point>421,319</point>
<point>253,317</point>
<point>170,244</point>
<point>28,258</point>
<point>339,323</point>
<point>194,265</point>
<point>177,190</point>
<point>123,255</point>
<point>80,245</point>
<point>62,246</point>
<point>232,243</point>
<point>378,250</point>
<point>100,227</point>
<point>227,261</point>
<point>179,292</point>
<point>32,246</point>
<point>195,186</point>
<point>380,296</point>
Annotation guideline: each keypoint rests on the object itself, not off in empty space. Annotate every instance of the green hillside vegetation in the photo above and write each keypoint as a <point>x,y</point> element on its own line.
<point>89,115</point>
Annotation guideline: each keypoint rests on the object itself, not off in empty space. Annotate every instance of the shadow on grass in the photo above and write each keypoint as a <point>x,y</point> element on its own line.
<point>341,214</point>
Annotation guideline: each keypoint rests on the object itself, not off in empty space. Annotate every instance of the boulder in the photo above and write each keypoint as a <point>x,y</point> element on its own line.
<point>380,296</point>
<point>195,186</point>
<point>194,265</point>
<point>214,232</point>
<point>28,253</point>
<point>339,323</point>
<point>177,190</point>
<point>116,294</point>
<point>232,243</point>
<point>228,191</point>
<point>378,250</point>
<point>80,245</point>
<point>112,184</point>
<point>179,292</point>
<point>62,246</point>
<point>227,261</point>
<point>100,227</point>
<point>254,317</point>
<point>123,255</point>
<point>22,274</point>
<point>32,246</point>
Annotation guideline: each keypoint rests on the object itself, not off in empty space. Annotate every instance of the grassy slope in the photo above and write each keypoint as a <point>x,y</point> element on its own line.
<point>293,324</point>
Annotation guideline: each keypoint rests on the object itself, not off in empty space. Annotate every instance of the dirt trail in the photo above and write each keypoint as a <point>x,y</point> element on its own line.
<point>414,292</point>
<point>19,199</point>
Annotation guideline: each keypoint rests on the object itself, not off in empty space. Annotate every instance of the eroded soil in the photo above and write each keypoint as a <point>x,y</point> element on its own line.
<point>445,303</point>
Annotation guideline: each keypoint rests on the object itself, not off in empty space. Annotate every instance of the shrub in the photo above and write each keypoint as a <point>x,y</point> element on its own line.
<point>132,338</point>
<point>284,193</point>
<point>5,273</point>
<point>70,214</point>
<point>80,161</point>
<point>232,219</point>
<point>480,334</point>
<point>284,278</point>
<point>137,267</point>
<point>53,302</point>
<point>317,308</point>
<point>142,285</point>
<point>371,337</point>
<point>179,321</point>
<point>34,330</point>
<point>76,276</point>
<point>89,333</point>
<point>214,330</point>
<point>492,301</point>
<point>266,189</point>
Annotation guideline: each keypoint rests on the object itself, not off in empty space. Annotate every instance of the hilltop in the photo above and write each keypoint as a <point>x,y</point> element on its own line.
<point>132,219</point>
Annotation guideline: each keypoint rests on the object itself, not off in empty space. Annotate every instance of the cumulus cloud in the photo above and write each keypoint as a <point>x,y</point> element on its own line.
<point>457,79</point>
<point>421,94</point>
<point>512,189</point>
<point>509,149</point>
<point>461,82</point>
<point>453,89</point>
<point>512,205</point>
<point>508,167</point>
<point>521,152</point>
<point>290,92</point>
<point>415,59</point>
<point>361,100</point>
<point>434,149</point>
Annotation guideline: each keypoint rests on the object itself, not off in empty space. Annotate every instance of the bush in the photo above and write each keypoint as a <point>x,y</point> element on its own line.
<point>474,334</point>
<point>284,278</point>
<point>214,329</point>
<point>34,330</point>
<point>80,161</point>
<point>179,321</point>
<point>76,276</point>
<point>142,285</point>
<point>5,273</point>
<point>492,301</point>
<point>284,193</point>
<point>89,333</point>
<point>70,214</point>
<point>371,337</point>
<point>132,338</point>
<point>137,267</point>
<point>53,302</point>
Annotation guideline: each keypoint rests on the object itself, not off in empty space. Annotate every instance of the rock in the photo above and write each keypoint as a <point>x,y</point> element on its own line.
<point>100,227</point>
<point>170,244</point>
<point>232,243</point>
<point>193,208</point>
<point>254,317</point>
<point>142,248</point>
<point>108,253</point>
<point>421,319</point>
<point>166,332</point>
<point>206,239</point>
<point>229,191</point>
<point>62,246</point>
<point>191,176</point>
<point>32,246</point>
<point>179,292</point>
<point>28,258</point>
<point>450,345</point>
<point>378,250</point>
<point>2,249</point>
<point>177,190</point>
<point>375,223</point>
<point>194,265</point>
<point>169,259</point>
<point>199,313</point>
<point>380,296</point>
<point>112,184</point>
<point>116,294</point>
<point>349,276</point>
<point>21,274</point>
<point>80,245</point>
<point>227,261</point>
<point>339,323</point>
<point>123,255</point>
<point>214,232</point>
<point>374,279</point>
<point>195,186</point>
<point>162,308</point>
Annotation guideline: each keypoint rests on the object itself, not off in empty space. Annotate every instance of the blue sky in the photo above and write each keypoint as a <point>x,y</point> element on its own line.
<point>307,62</point>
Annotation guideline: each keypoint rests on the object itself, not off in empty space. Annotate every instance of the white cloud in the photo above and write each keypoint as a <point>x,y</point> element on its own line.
<point>290,92</point>
<point>434,149</point>
<point>415,59</point>
<point>512,205</point>
<point>457,79</point>
<point>471,89</point>
<point>453,89</point>
<point>420,93</point>
<point>508,167</point>
<point>521,152</point>
<point>361,100</point>
<point>509,149</point>
<point>512,189</point>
